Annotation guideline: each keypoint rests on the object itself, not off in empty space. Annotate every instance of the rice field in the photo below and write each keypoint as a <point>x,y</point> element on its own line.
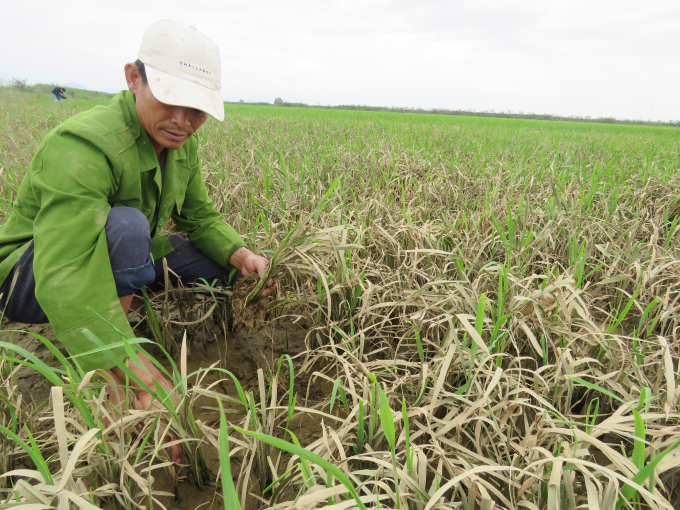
<point>489,311</point>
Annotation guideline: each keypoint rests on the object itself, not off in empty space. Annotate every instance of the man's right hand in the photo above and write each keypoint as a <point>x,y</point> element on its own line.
<point>143,400</point>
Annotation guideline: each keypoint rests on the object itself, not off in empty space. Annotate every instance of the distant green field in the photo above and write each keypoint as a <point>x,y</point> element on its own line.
<point>455,119</point>
<point>512,285</point>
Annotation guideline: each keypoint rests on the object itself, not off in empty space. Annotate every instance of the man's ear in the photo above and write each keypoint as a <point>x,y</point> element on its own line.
<point>133,77</point>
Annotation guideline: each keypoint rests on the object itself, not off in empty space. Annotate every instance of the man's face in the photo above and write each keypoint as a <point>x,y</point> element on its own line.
<point>168,126</point>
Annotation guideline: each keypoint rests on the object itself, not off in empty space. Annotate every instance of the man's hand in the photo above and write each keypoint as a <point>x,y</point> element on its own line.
<point>143,400</point>
<point>248,262</point>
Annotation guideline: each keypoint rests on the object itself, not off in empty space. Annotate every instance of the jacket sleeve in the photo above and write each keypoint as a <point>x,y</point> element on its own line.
<point>71,263</point>
<point>202,223</point>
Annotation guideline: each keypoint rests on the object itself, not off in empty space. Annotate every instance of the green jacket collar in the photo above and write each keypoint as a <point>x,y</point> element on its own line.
<point>176,165</point>
<point>125,100</point>
<point>147,156</point>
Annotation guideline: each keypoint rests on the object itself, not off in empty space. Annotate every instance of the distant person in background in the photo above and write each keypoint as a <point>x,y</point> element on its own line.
<point>58,93</point>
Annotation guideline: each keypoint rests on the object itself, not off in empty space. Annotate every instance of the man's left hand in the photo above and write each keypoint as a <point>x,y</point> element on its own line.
<point>248,262</point>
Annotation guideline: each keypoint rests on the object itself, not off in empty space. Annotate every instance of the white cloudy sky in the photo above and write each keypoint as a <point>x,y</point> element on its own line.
<point>596,57</point>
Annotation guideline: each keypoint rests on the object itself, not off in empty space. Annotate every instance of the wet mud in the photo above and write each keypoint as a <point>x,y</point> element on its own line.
<point>255,345</point>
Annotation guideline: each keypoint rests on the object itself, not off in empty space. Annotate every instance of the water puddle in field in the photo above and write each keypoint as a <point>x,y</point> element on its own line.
<point>242,353</point>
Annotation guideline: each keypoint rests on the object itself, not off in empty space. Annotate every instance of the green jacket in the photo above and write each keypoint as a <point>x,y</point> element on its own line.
<point>96,160</point>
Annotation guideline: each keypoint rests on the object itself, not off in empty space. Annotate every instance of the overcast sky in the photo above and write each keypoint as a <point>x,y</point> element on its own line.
<point>598,58</point>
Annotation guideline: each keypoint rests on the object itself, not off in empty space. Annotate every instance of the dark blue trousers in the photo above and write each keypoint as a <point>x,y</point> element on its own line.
<point>129,242</point>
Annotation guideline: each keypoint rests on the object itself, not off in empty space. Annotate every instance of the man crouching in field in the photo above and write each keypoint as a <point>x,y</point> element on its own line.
<point>85,230</point>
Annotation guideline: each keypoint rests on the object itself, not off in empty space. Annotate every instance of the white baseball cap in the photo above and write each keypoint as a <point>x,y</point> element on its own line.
<point>183,67</point>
